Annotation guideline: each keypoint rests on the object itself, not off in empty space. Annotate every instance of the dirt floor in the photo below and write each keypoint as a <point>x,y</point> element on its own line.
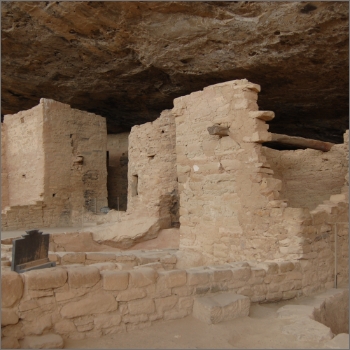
<point>260,330</point>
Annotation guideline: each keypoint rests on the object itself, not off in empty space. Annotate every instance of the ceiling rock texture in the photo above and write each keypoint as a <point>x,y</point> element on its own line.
<point>127,61</point>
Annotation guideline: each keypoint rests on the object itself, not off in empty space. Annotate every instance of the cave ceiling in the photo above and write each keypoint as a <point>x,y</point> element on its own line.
<point>127,61</point>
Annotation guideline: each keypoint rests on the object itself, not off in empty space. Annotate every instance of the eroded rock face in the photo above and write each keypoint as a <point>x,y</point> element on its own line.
<point>127,61</point>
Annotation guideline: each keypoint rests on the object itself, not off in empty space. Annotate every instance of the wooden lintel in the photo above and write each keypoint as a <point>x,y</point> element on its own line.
<point>301,142</point>
<point>218,130</point>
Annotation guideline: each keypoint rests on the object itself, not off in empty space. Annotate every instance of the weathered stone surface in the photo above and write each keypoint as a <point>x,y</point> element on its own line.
<point>308,330</point>
<point>142,277</point>
<point>115,280</point>
<point>131,294</point>
<point>38,325</point>
<point>11,288</point>
<point>207,45</point>
<point>92,304</point>
<point>73,258</point>
<point>173,278</point>
<point>144,306</point>
<point>47,341</point>
<point>8,316</point>
<point>221,307</point>
<point>125,234</point>
<point>64,326</point>
<point>107,320</point>
<point>9,343</point>
<point>104,266</point>
<point>86,276</point>
<point>340,341</point>
<point>46,278</point>
<point>197,276</point>
<point>167,303</point>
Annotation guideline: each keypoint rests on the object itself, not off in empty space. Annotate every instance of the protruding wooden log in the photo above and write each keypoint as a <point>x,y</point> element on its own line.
<point>218,130</point>
<point>301,142</point>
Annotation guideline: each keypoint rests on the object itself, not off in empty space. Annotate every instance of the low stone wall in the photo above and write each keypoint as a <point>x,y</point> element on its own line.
<point>90,301</point>
<point>18,216</point>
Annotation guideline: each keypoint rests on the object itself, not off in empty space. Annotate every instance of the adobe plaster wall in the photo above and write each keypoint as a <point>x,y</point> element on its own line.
<point>152,178</point>
<point>25,156</point>
<point>117,178</point>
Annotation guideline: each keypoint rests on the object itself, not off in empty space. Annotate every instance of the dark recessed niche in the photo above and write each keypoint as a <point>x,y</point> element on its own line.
<point>281,147</point>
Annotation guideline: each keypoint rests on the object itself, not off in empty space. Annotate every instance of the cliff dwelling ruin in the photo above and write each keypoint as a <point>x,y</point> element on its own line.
<point>209,208</point>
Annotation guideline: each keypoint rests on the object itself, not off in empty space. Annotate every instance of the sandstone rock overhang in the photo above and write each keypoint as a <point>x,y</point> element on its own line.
<point>127,61</point>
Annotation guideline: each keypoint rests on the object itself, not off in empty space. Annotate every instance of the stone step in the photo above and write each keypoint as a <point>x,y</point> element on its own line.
<point>221,307</point>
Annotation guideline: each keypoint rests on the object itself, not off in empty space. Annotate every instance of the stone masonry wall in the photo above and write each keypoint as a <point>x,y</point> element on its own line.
<point>25,156</point>
<point>225,184</point>
<point>117,178</point>
<point>75,145</point>
<point>152,175</point>
<point>57,168</point>
<point>308,176</point>
<point>230,203</point>
<point>90,301</point>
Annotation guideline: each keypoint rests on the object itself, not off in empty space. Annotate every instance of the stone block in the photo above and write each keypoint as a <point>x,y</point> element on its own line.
<point>340,341</point>
<point>144,306</point>
<point>186,303</point>
<point>73,258</point>
<point>305,329</point>
<point>197,276</point>
<point>115,280</point>
<point>173,278</point>
<point>10,343</point>
<point>45,278</point>
<point>286,266</point>
<point>167,303</point>
<point>64,326</point>
<point>14,331</point>
<point>241,274</point>
<point>275,296</point>
<point>135,318</point>
<point>39,325</point>
<point>83,320</point>
<point>11,288</point>
<point>221,307</point>
<point>8,316</point>
<point>100,257</point>
<point>92,304</point>
<point>256,272</point>
<point>107,320</point>
<point>142,277</point>
<point>220,275</point>
<point>131,294</point>
<point>85,276</point>
<point>104,266</point>
<point>47,341</point>
<point>262,115</point>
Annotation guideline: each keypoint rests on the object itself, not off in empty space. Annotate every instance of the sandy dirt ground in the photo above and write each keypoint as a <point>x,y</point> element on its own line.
<point>260,330</point>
